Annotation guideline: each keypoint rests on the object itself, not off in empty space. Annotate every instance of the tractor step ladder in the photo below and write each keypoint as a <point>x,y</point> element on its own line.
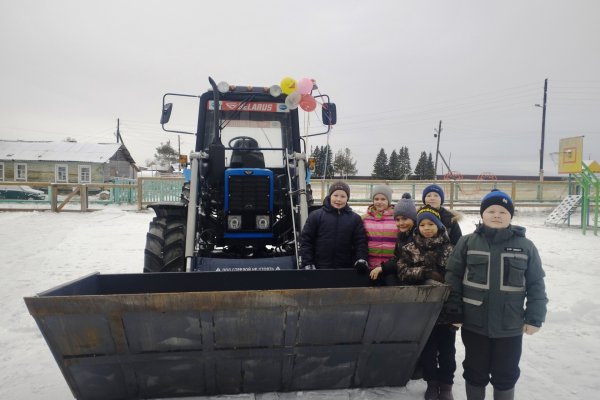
<point>564,210</point>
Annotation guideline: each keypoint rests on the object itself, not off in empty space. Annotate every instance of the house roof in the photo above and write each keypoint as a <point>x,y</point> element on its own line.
<point>61,151</point>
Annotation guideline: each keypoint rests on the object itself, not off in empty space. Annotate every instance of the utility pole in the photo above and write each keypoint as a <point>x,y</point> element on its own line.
<point>179,151</point>
<point>437,149</point>
<point>118,134</point>
<point>543,130</point>
<point>119,137</point>
<point>119,140</point>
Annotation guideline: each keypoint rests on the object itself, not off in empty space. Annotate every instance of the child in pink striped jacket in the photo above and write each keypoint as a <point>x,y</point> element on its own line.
<point>380,226</point>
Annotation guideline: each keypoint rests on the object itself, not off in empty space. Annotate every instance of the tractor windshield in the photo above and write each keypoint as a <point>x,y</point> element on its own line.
<point>252,127</point>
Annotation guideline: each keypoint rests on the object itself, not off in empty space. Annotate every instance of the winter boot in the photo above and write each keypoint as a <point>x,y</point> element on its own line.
<point>475,392</point>
<point>433,390</point>
<point>504,394</point>
<point>445,392</point>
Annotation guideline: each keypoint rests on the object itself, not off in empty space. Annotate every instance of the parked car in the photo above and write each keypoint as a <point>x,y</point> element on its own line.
<point>21,193</point>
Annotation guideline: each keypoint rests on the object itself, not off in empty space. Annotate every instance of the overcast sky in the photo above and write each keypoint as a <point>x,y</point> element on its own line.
<point>70,68</point>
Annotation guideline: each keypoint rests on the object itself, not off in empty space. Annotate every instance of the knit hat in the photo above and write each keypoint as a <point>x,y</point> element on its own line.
<point>430,213</point>
<point>406,208</point>
<point>434,188</point>
<point>339,185</point>
<point>384,190</point>
<point>499,198</point>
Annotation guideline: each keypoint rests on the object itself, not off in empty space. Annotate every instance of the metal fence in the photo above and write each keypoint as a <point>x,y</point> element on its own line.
<point>147,190</point>
<point>463,193</point>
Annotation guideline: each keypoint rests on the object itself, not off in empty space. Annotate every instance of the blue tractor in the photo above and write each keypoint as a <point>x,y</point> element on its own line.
<point>247,196</point>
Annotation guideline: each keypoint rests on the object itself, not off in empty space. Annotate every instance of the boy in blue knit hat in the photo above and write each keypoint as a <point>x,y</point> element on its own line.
<point>433,195</point>
<point>498,293</point>
<point>421,260</point>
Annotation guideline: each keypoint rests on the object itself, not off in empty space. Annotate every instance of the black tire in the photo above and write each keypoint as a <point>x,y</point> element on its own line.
<point>165,245</point>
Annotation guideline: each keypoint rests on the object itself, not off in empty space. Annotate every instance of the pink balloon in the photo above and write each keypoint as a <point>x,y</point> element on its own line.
<point>305,85</point>
<point>308,103</point>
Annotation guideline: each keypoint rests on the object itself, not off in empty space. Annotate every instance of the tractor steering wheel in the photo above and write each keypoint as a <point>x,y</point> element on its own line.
<point>243,140</point>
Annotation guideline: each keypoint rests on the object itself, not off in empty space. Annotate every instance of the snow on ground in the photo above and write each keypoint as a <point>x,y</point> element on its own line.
<point>40,250</point>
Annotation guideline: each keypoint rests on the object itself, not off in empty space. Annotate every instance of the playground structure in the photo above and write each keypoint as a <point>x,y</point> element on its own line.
<point>584,186</point>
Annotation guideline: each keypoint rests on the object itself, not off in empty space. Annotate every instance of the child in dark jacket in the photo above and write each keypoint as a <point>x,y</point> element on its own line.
<point>334,236</point>
<point>405,217</point>
<point>498,292</point>
<point>420,260</point>
<point>433,196</point>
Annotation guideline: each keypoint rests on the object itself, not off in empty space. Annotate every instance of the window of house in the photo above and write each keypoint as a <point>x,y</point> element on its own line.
<point>61,172</point>
<point>85,174</point>
<point>20,172</point>
<point>1,171</point>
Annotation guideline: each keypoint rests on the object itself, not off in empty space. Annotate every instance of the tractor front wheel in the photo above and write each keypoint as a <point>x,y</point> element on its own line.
<point>165,245</point>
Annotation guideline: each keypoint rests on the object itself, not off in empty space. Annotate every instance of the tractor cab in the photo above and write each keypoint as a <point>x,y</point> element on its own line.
<point>246,198</point>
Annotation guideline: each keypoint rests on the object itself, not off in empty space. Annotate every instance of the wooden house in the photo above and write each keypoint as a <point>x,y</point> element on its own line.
<point>64,162</point>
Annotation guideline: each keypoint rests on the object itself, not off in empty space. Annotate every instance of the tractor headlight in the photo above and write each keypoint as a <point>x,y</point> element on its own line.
<point>262,222</point>
<point>234,222</point>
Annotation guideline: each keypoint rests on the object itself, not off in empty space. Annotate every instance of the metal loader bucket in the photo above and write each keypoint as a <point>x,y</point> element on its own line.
<point>184,334</point>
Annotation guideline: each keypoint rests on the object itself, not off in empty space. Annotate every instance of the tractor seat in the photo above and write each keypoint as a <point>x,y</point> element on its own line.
<point>244,155</point>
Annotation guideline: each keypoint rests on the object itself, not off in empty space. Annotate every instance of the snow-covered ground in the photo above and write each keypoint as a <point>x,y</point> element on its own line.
<point>39,250</point>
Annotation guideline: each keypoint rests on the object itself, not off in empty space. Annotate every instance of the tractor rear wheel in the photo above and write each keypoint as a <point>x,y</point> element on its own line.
<point>165,245</point>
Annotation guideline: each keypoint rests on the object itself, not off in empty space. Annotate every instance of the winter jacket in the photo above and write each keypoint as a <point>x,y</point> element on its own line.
<point>450,220</point>
<point>381,231</point>
<point>391,266</point>
<point>424,258</point>
<point>333,238</point>
<point>492,272</point>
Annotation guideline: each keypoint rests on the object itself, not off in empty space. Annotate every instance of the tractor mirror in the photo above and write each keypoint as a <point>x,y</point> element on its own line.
<point>328,114</point>
<point>166,113</point>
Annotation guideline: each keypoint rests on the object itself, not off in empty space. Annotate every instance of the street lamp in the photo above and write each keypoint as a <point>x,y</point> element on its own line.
<point>543,130</point>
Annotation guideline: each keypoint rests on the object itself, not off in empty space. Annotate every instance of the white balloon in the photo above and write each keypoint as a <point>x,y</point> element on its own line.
<point>293,100</point>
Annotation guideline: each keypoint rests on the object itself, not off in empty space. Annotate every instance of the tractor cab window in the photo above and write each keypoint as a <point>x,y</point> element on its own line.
<point>255,134</point>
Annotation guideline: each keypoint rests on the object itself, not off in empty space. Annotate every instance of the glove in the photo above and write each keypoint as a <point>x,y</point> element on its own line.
<point>530,329</point>
<point>361,266</point>
<point>310,266</point>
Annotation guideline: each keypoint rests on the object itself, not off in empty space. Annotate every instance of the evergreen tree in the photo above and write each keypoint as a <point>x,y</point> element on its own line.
<point>166,154</point>
<point>327,161</point>
<point>344,163</point>
<point>316,154</point>
<point>393,169</point>
<point>380,166</point>
<point>421,168</point>
<point>405,168</point>
<point>430,168</point>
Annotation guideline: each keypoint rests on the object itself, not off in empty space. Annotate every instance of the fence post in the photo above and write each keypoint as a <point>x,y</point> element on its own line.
<point>54,197</point>
<point>513,191</point>
<point>140,193</point>
<point>83,197</point>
